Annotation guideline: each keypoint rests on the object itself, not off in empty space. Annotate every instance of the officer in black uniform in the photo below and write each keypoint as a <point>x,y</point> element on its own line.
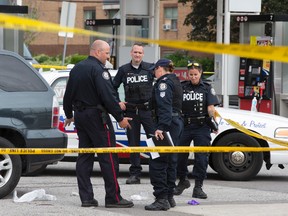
<point>199,99</point>
<point>90,94</point>
<point>166,104</point>
<point>138,83</point>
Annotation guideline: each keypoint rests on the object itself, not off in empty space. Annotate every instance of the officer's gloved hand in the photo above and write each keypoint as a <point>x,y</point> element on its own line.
<point>210,121</point>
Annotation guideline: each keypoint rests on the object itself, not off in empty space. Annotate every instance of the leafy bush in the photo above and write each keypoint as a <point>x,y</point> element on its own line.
<point>41,58</point>
<point>180,59</point>
<point>57,60</point>
<point>77,58</point>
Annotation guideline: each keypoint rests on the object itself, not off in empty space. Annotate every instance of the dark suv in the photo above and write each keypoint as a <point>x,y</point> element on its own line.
<point>29,117</point>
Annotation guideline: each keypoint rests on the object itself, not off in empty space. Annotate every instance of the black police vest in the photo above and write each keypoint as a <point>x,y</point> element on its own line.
<point>138,86</point>
<point>177,94</point>
<point>194,100</point>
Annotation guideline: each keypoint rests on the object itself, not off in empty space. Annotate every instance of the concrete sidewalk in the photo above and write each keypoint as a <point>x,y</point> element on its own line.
<point>225,201</point>
<point>267,209</point>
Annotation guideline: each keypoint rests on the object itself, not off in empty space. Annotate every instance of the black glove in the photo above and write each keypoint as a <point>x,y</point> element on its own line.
<point>210,121</point>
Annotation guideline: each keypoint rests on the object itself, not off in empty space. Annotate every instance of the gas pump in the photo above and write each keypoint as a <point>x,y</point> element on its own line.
<point>266,79</point>
<point>255,81</point>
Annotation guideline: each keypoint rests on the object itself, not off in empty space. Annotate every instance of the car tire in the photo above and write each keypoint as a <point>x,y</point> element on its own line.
<point>237,166</point>
<point>10,169</point>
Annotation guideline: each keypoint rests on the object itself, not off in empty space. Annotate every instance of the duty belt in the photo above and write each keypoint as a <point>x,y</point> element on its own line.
<point>195,120</point>
<point>81,108</point>
<point>78,106</point>
<point>135,107</point>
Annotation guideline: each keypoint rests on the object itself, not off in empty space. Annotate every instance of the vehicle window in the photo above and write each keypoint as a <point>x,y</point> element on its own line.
<point>59,87</point>
<point>16,76</point>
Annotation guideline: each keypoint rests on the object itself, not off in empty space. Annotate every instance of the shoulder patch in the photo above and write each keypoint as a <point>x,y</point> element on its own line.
<point>105,75</point>
<point>162,86</point>
<point>213,92</point>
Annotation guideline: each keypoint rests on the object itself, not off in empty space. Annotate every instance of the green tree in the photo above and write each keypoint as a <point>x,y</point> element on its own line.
<point>29,36</point>
<point>203,18</point>
<point>180,59</point>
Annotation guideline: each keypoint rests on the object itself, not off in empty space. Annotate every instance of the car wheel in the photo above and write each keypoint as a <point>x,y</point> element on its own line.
<point>10,169</point>
<point>237,166</point>
<point>211,162</point>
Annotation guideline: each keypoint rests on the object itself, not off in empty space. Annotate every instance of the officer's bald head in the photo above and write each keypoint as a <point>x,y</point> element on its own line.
<point>101,50</point>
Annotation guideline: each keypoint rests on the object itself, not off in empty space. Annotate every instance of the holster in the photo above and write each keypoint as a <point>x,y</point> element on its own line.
<point>104,113</point>
<point>78,106</point>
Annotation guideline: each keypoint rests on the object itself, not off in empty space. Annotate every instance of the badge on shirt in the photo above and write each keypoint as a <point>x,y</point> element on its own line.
<point>105,75</point>
<point>162,86</point>
<point>213,91</point>
<point>162,94</point>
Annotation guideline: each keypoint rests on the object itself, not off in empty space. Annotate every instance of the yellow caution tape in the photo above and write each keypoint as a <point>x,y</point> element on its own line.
<point>276,53</point>
<point>59,67</point>
<point>166,149</point>
<point>251,133</point>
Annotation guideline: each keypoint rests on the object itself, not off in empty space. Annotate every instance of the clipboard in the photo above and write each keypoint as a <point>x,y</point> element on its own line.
<point>167,141</point>
<point>152,142</point>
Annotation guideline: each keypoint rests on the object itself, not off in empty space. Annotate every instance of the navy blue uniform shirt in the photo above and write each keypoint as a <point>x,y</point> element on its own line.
<point>164,91</point>
<point>90,83</point>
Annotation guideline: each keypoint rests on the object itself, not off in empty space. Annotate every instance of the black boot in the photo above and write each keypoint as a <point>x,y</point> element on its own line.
<point>197,191</point>
<point>171,201</point>
<point>158,205</point>
<point>182,185</point>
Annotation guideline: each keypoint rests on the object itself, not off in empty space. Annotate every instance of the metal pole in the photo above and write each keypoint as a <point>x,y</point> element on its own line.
<point>65,40</point>
<point>225,56</point>
<point>219,32</point>
<point>156,28</point>
<point>123,22</point>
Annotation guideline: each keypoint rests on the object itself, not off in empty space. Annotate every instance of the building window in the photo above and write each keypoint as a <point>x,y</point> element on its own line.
<point>171,17</point>
<point>89,14</point>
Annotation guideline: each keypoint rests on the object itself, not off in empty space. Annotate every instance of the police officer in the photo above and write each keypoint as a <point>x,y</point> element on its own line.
<point>199,99</point>
<point>166,104</point>
<point>138,83</point>
<point>90,94</point>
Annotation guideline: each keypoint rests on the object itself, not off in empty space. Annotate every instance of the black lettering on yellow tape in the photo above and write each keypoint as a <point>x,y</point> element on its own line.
<point>167,149</point>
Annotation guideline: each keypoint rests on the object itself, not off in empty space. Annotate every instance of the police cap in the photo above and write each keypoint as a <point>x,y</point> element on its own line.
<point>162,63</point>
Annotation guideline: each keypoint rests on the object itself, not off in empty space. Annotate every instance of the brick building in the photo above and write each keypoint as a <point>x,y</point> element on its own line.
<point>171,19</point>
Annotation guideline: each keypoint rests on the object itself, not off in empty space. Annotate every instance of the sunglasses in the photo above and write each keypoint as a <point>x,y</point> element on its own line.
<point>193,64</point>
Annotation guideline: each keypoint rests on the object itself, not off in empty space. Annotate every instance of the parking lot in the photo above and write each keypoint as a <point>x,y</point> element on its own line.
<point>266,195</point>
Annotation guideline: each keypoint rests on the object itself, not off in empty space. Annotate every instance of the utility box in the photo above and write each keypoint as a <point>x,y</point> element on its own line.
<point>264,30</point>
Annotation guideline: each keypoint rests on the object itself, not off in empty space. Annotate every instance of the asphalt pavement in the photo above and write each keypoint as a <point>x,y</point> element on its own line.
<point>224,198</point>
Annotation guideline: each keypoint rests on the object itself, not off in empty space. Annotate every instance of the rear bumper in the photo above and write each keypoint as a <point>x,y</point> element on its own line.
<point>52,138</point>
